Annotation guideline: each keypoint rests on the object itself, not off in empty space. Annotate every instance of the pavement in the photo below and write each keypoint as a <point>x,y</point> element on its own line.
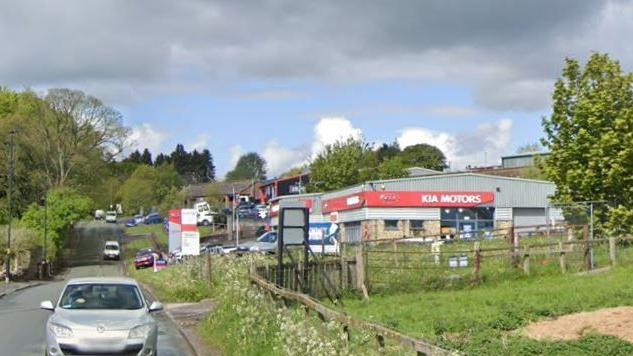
<point>22,322</point>
<point>8,288</point>
<point>187,316</point>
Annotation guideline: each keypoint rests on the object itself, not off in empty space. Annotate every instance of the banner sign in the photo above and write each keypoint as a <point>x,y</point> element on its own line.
<point>420,199</point>
<point>183,231</point>
<point>306,203</point>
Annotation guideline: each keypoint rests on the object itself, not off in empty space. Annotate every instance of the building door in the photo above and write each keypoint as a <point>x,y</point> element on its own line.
<point>529,216</point>
<point>352,232</point>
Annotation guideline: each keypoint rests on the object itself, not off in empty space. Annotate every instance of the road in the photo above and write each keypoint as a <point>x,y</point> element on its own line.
<point>22,322</point>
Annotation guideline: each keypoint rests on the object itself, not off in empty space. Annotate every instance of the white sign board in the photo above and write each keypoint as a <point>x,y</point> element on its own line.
<point>189,217</point>
<point>190,243</point>
<point>294,225</point>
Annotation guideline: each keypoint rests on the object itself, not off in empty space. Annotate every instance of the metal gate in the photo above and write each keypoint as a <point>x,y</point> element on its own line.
<point>352,232</point>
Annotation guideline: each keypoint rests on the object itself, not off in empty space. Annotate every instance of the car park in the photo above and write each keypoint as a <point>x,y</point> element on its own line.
<point>144,258</point>
<point>111,250</point>
<point>104,316</point>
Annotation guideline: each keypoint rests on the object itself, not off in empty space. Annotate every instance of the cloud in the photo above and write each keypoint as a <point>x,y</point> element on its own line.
<point>200,143</point>
<point>280,159</point>
<point>506,52</point>
<point>330,130</point>
<point>236,152</point>
<point>146,136</point>
<point>450,111</point>
<point>483,146</point>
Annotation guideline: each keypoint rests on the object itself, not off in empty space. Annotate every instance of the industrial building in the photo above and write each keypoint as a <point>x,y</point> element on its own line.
<point>448,205</point>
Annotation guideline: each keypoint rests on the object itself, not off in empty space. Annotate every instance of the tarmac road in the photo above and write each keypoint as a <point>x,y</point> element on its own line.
<point>22,322</point>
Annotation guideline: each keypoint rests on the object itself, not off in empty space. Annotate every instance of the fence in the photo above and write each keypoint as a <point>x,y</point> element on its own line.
<point>400,266</point>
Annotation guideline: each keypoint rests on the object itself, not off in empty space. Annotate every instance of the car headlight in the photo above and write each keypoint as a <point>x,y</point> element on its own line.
<point>61,331</point>
<point>255,248</point>
<point>140,332</point>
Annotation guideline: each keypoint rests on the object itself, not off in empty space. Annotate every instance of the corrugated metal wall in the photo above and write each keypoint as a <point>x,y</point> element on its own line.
<point>503,214</point>
<point>528,216</point>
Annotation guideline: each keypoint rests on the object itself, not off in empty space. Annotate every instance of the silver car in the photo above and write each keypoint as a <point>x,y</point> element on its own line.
<point>101,316</point>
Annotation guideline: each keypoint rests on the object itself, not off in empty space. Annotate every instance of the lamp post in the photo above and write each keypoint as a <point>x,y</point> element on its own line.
<point>7,275</point>
<point>45,203</point>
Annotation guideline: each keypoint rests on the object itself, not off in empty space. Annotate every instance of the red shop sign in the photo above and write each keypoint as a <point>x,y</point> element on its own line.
<point>420,199</point>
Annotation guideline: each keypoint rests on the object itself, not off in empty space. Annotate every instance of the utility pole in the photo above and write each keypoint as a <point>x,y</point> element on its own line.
<point>7,276</point>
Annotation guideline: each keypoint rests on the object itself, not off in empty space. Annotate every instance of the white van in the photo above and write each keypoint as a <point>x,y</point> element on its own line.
<point>112,251</point>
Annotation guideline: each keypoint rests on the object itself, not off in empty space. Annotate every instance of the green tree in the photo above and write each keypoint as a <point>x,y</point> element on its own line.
<point>387,151</point>
<point>393,168</point>
<point>146,157</point>
<point>147,187</point>
<point>425,156</point>
<point>65,207</point>
<point>590,138</point>
<point>249,166</point>
<point>341,164</point>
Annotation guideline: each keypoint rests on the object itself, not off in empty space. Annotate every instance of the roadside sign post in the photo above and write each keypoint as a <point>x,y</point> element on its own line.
<point>293,230</point>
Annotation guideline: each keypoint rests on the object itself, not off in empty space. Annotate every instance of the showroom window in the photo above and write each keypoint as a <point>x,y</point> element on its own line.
<point>469,223</point>
<point>417,227</point>
<point>391,225</point>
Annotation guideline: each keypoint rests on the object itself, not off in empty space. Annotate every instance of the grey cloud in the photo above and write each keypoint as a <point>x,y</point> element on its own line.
<point>506,51</point>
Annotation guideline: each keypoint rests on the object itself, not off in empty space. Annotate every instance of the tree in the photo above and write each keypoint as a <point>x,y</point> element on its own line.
<point>161,159</point>
<point>147,187</point>
<point>590,139</point>
<point>134,157</point>
<point>64,207</point>
<point>76,127</point>
<point>529,148</point>
<point>340,165</point>
<point>146,157</point>
<point>393,168</point>
<point>249,166</point>
<point>387,151</point>
<point>423,155</point>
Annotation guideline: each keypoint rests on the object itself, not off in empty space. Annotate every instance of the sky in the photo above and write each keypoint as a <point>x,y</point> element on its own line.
<point>284,78</point>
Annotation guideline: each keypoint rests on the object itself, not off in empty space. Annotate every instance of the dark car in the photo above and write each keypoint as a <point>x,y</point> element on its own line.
<point>153,219</point>
<point>144,258</point>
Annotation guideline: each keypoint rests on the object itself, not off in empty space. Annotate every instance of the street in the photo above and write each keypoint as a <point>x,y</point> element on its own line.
<point>22,322</point>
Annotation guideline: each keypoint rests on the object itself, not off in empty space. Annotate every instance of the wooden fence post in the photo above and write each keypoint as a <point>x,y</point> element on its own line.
<point>561,251</point>
<point>395,252</point>
<point>588,247</point>
<point>612,249</point>
<point>526,262</point>
<point>476,262</point>
<point>209,275</point>
<point>360,271</point>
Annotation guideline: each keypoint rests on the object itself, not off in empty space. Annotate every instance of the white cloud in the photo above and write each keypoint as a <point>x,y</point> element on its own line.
<point>330,130</point>
<point>450,111</point>
<point>146,136</point>
<point>200,143</point>
<point>236,152</point>
<point>280,159</point>
<point>484,146</point>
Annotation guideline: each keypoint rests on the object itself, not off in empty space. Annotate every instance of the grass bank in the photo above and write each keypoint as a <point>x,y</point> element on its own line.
<point>484,320</point>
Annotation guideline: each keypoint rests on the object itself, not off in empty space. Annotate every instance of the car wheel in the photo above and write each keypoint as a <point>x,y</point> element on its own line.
<point>205,223</point>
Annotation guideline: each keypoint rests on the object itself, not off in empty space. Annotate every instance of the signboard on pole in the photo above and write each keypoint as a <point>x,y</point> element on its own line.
<point>190,243</point>
<point>174,230</point>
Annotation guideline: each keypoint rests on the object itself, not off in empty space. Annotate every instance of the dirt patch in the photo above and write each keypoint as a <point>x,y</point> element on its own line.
<point>616,322</point>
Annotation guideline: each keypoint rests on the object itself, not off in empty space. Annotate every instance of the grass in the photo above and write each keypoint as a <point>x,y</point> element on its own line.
<point>482,320</point>
<point>175,284</point>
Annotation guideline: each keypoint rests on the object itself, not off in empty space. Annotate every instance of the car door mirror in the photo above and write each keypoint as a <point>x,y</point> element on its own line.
<point>47,305</point>
<point>155,306</point>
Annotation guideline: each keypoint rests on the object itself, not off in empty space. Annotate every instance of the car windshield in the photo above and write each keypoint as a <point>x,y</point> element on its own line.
<point>144,252</point>
<point>101,296</point>
<point>268,237</point>
<point>112,247</point>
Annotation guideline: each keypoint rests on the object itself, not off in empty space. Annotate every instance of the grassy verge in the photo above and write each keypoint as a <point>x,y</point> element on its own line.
<point>483,320</point>
<point>175,284</point>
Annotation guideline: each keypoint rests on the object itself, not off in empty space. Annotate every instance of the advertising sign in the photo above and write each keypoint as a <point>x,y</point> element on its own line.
<point>174,230</point>
<point>190,243</point>
<point>419,199</point>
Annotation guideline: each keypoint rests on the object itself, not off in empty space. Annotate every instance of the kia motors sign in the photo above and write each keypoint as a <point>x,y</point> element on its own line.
<point>420,199</point>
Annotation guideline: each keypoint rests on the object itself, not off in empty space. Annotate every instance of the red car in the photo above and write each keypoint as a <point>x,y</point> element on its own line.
<point>144,258</point>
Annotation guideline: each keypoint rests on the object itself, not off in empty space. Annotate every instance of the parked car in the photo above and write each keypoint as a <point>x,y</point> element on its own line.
<point>153,218</point>
<point>144,258</point>
<point>175,256</point>
<point>99,214</point>
<point>267,243</point>
<point>104,316</point>
<point>111,251</point>
<point>110,217</point>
